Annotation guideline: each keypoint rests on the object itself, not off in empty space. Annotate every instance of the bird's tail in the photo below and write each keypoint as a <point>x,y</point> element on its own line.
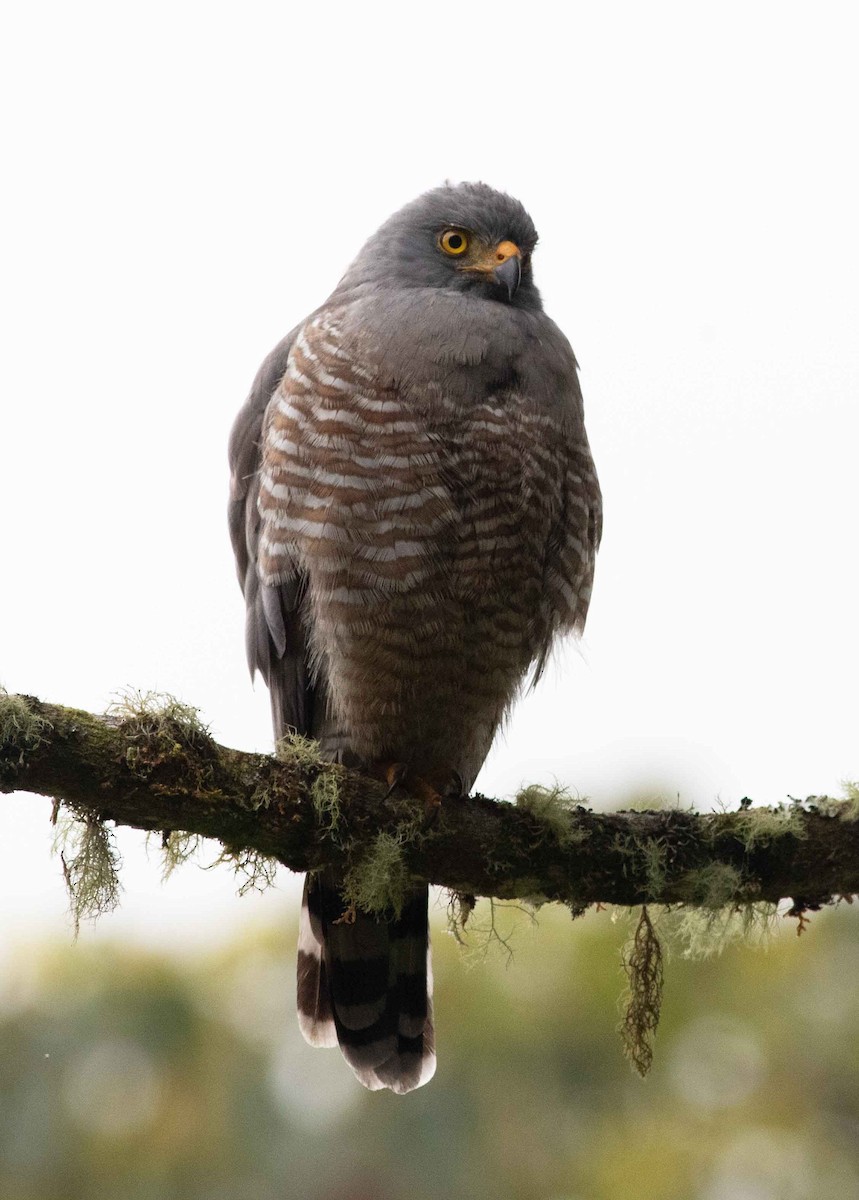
<point>367,986</point>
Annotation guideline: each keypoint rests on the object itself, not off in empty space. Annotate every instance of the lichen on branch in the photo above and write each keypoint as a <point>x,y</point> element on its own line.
<point>700,880</point>
<point>150,763</point>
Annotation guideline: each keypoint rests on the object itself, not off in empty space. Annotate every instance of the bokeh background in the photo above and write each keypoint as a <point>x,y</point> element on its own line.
<point>182,184</point>
<point>127,1072</point>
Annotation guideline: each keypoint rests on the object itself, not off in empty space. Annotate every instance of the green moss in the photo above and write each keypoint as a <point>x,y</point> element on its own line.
<point>378,882</point>
<point>90,866</point>
<point>647,856</point>
<point>553,807</point>
<point>713,886</point>
<point>757,827</point>
<point>327,803</point>
<point>158,715</point>
<point>158,726</point>
<point>295,748</point>
<point>20,728</point>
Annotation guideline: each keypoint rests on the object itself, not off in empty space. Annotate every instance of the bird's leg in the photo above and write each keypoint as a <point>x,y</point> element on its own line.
<point>433,787</point>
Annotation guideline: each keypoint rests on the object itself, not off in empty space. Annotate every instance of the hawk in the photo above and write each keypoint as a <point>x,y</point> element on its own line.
<point>415,516</point>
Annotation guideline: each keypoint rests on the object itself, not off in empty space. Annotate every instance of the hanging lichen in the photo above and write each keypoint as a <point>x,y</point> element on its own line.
<point>91,865</point>
<point>642,961</point>
<point>256,871</point>
<point>326,800</point>
<point>701,932</point>
<point>177,849</point>
<point>378,882</point>
<point>484,927</point>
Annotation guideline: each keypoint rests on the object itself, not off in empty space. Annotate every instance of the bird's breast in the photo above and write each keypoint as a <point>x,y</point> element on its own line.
<point>365,486</point>
<point>421,536</point>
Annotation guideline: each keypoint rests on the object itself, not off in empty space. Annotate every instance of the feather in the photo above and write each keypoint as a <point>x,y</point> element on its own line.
<point>415,516</point>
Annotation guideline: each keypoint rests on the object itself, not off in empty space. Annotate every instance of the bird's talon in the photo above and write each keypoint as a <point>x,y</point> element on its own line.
<point>348,917</point>
<point>394,774</point>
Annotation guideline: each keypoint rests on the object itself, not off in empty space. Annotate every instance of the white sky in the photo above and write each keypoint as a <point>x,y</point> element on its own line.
<point>185,181</point>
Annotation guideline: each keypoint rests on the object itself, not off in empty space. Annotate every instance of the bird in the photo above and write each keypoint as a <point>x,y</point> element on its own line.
<point>415,516</point>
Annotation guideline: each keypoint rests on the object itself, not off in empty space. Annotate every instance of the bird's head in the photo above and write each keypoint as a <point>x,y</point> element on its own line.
<point>465,237</point>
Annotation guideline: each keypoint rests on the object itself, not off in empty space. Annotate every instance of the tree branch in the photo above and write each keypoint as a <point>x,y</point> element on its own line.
<point>154,767</point>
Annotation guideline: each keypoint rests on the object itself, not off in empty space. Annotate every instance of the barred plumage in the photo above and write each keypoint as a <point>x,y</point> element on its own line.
<point>416,515</point>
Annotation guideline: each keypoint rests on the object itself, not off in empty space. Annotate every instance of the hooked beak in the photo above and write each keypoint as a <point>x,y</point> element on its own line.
<point>509,274</point>
<point>502,264</point>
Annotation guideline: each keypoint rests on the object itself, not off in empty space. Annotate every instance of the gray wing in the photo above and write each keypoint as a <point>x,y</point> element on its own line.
<point>573,544</point>
<point>368,984</point>
<point>274,632</point>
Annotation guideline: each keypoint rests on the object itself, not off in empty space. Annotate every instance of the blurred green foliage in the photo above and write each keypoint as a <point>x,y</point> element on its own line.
<point>128,1074</point>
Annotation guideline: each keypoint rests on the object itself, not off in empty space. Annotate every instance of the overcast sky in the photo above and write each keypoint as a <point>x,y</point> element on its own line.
<point>185,181</point>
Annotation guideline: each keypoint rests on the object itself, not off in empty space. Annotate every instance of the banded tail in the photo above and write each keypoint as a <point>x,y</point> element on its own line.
<point>367,986</point>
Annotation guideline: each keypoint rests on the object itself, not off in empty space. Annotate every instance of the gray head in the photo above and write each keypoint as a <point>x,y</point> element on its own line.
<point>465,237</point>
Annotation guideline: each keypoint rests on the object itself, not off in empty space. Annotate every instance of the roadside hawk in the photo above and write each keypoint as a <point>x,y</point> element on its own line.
<point>415,516</point>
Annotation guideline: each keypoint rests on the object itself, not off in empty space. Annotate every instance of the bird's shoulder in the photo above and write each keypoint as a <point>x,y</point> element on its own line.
<point>410,343</point>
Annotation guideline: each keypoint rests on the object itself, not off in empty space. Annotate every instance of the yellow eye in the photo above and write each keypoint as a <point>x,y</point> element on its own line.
<point>453,241</point>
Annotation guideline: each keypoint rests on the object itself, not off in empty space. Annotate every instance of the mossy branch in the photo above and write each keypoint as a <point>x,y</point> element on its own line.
<point>152,765</point>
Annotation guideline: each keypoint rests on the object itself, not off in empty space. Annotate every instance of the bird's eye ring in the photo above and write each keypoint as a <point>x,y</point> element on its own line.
<point>453,242</point>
